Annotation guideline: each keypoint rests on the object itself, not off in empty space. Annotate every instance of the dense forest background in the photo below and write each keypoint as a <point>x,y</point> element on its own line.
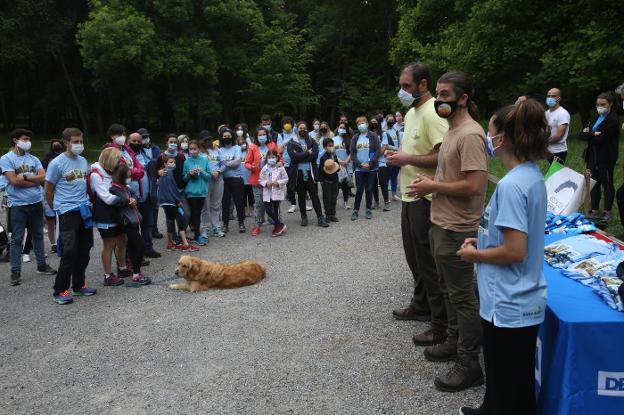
<point>184,65</point>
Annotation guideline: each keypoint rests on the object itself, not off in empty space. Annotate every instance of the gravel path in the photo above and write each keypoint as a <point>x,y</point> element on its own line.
<point>316,337</point>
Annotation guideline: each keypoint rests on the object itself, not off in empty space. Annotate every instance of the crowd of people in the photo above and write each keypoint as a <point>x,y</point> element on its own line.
<point>437,154</point>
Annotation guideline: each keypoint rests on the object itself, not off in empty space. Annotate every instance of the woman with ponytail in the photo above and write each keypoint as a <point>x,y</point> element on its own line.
<point>509,253</point>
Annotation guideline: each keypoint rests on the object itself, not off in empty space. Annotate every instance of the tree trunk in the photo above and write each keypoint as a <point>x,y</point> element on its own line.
<point>72,91</point>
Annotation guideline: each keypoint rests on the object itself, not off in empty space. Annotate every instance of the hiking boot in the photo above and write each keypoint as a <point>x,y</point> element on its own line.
<point>355,215</point>
<point>16,278</point>
<point>113,280</point>
<point>64,297</point>
<point>465,373</point>
<point>408,313</point>
<point>85,290</point>
<point>218,232</point>
<point>333,219</point>
<point>428,338</point>
<point>369,214</point>
<point>45,269</point>
<point>304,221</point>
<point>157,235</point>
<point>444,352</point>
<point>322,222</point>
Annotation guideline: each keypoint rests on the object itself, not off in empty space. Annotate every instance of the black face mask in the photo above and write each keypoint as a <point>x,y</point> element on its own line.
<point>226,141</point>
<point>57,148</point>
<point>374,126</point>
<point>323,130</point>
<point>303,133</point>
<point>136,147</point>
<point>445,109</point>
<point>390,124</point>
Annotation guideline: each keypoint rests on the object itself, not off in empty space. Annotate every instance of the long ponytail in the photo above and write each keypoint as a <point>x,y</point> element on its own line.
<point>525,125</point>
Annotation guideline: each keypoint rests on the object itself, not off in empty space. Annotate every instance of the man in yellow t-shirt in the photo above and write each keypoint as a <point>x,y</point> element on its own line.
<point>422,138</point>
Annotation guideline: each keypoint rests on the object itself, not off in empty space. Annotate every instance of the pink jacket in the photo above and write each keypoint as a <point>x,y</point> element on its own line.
<point>275,175</point>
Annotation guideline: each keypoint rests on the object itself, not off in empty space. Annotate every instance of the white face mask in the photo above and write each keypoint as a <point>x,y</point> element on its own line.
<point>405,97</point>
<point>184,146</point>
<point>317,127</point>
<point>239,133</point>
<point>602,110</point>
<point>121,140</point>
<point>77,149</point>
<point>146,141</point>
<point>24,145</point>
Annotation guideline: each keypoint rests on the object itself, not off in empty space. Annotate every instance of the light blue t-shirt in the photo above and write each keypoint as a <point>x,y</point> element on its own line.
<point>263,152</point>
<point>68,175</point>
<point>341,151</point>
<point>396,136</point>
<point>362,147</point>
<point>282,141</point>
<point>382,158</point>
<point>214,160</point>
<point>515,295</point>
<point>227,156</point>
<point>28,165</point>
<point>3,183</point>
<point>246,173</point>
<point>145,180</point>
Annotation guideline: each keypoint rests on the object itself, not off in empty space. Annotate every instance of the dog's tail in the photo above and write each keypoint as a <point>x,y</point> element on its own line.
<point>260,270</point>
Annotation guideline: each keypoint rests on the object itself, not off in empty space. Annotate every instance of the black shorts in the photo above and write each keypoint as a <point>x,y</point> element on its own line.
<point>111,232</point>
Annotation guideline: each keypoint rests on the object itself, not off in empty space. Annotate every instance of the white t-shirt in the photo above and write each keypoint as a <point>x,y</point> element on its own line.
<point>556,118</point>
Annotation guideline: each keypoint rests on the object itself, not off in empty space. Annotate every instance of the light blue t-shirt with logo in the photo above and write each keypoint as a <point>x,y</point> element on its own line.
<point>26,164</point>
<point>382,158</point>
<point>68,175</point>
<point>341,151</point>
<point>282,141</point>
<point>214,160</point>
<point>362,148</point>
<point>515,295</point>
<point>145,180</point>
<point>227,156</point>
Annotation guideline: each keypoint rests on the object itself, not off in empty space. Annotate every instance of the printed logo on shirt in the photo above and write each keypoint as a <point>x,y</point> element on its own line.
<point>75,174</point>
<point>25,169</point>
<point>213,157</point>
<point>362,145</point>
<point>228,158</point>
<point>611,384</point>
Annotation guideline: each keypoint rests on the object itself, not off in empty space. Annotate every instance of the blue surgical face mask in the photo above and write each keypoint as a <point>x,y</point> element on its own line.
<point>362,128</point>
<point>172,147</point>
<point>262,139</point>
<point>342,131</point>
<point>268,127</point>
<point>489,145</point>
<point>551,102</point>
<point>272,161</point>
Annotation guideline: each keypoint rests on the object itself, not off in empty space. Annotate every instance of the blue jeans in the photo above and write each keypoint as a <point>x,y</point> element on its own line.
<point>364,180</point>
<point>22,217</point>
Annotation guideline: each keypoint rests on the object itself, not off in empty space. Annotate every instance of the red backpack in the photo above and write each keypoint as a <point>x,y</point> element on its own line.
<point>89,191</point>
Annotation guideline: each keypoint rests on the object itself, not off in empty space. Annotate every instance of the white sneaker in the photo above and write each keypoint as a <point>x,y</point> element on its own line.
<point>346,206</point>
<point>308,208</point>
<point>292,209</point>
<point>396,197</point>
<point>25,258</point>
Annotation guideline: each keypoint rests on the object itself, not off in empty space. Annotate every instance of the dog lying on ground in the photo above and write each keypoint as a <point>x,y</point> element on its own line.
<point>203,275</point>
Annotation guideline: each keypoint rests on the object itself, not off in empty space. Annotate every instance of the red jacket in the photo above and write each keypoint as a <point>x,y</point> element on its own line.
<point>254,160</point>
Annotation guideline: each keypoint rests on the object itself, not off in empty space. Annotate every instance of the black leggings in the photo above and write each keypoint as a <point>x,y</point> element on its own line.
<point>173,216</point>
<point>509,383</point>
<point>604,179</point>
<point>233,188</point>
<point>381,181</point>
<point>344,185</point>
<point>135,247</point>
<point>311,188</point>
<point>196,204</point>
<point>272,209</point>
<point>248,198</point>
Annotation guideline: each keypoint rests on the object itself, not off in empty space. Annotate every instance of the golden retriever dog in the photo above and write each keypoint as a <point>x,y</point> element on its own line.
<point>201,275</point>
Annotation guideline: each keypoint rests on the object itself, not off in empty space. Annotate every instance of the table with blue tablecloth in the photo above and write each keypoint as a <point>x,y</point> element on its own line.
<point>580,351</point>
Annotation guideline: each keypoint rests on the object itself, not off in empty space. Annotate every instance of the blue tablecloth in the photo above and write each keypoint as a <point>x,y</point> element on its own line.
<point>580,351</point>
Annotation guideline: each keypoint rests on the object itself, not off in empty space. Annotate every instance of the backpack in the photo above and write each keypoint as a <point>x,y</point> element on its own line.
<point>89,191</point>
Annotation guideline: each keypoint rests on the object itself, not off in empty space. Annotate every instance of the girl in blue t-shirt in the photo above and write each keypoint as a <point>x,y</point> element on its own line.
<point>509,254</point>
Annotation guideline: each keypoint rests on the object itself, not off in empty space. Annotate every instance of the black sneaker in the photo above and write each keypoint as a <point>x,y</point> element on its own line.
<point>53,249</point>
<point>45,269</point>
<point>16,278</point>
<point>465,373</point>
<point>408,313</point>
<point>444,352</point>
<point>304,221</point>
<point>464,410</point>
<point>322,222</point>
<point>153,254</point>
<point>241,228</point>
<point>157,235</point>
<point>333,219</point>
